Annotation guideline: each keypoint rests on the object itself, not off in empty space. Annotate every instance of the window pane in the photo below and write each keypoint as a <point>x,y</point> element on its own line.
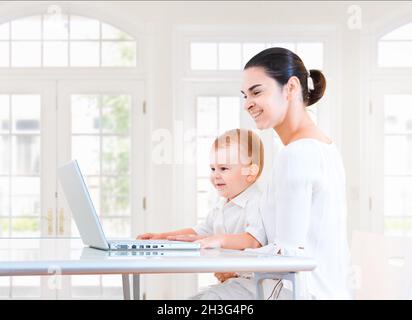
<point>85,149</point>
<point>55,54</point>
<point>203,56</point>
<point>5,151</point>
<point>402,33</point>
<point>204,185</point>
<point>112,287</point>
<point>111,33</point>
<point>119,54</point>
<point>229,113</point>
<point>395,54</point>
<point>25,199</point>
<point>4,228</point>
<point>398,113</point>
<point>26,287</point>
<point>26,29</point>
<point>398,154</point>
<point>229,56</point>
<point>26,113</point>
<point>19,56</point>
<point>4,197</point>
<point>25,227</point>
<point>203,147</point>
<point>116,196</point>
<point>85,280</point>
<point>55,27</point>
<point>84,54</point>
<point>206,116</point>
<point>398,196</point>
<point>116,152</point>
<point>116,227</point>
<point>4,31</point>
<point>250,50</point>
<point>116,114</point>
<point>202,205</point>
<point>85,114</point>
<point>398,226</point>
<point>26,154</point>
<point>4,54</point>
<point>84,28</point>
<point>4,113</point>
<point>311,55</point>
<point>287,45</point>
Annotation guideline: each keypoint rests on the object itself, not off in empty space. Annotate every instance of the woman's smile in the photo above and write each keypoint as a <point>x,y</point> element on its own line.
<point>255,112</point>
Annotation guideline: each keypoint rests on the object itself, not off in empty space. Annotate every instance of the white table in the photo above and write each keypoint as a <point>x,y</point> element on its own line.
<point>70,257</point>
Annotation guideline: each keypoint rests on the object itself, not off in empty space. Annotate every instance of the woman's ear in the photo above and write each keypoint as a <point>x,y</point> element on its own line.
<point>292,87</point>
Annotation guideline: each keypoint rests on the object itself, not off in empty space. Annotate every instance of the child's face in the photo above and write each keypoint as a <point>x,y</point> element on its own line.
<point>228,174</point>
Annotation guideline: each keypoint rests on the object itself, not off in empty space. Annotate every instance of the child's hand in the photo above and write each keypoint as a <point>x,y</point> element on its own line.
<point>223,276</point>
<point>146,236</point>
<point>211,242</point>
<point>185,237</point>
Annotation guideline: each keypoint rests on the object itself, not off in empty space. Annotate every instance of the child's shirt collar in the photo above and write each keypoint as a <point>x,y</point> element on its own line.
<point>242,198</point>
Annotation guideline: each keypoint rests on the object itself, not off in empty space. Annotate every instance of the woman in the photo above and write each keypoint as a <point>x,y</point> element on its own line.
<point>304,208</point>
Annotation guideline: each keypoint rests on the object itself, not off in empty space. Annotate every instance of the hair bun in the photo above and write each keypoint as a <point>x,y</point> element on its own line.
<point>319,86</point>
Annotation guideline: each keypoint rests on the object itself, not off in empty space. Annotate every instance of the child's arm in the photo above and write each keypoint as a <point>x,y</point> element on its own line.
<point>164,235</point>
<point>238,241</point>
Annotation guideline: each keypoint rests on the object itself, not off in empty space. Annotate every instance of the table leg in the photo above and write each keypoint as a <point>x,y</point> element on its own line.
<point>126,286</point>
<point>291,276</point>
<point>259,288</point>
<point>136,286</point>
<point>295,286</point>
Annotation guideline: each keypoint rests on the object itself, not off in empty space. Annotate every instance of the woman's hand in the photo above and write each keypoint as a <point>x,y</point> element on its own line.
<point>223,276</point>
<point>147,236</point>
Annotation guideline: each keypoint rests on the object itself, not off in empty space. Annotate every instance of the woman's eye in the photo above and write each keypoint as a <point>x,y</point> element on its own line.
<point>224,168</point>
<point>213,169</point>
<point>256,93</point>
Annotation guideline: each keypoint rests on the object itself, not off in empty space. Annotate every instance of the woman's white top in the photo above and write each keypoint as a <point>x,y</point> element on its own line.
<point>239,215</point>
<point>304,213</point>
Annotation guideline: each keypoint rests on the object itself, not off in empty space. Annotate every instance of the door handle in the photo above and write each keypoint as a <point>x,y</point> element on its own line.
<point>61,221</point>
<point>49,219</point>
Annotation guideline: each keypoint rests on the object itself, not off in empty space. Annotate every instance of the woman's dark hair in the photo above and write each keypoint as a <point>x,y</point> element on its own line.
<point>280,64</point>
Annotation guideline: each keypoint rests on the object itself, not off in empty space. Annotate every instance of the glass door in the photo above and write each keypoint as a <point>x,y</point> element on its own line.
<point>391,158</point>
<point>27,175</point>
<point>100,124</point>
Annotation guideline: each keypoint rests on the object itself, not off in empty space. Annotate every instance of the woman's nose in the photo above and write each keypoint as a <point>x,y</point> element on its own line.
<point>248,104</point>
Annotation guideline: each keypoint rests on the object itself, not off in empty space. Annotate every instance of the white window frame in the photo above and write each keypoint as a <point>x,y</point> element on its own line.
<point>185,81</point>
<point>51,75</point>
<point>375,82</point>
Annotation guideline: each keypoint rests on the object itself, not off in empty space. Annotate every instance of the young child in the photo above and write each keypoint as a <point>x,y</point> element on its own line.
<point>236,161</point>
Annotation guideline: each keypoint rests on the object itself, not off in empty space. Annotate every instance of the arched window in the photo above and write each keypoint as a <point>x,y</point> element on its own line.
<point>391,135</point>
<point>395,48</point>
<point>64,41</point>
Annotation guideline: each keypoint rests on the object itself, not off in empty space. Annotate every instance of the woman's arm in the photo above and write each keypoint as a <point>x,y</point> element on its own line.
<point>164,235</point>
<point>237,241</point>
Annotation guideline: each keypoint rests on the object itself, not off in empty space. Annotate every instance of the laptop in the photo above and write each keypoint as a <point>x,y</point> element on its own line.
<point>87,221</point>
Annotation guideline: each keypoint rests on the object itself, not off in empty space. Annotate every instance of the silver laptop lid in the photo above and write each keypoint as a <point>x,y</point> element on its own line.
<point>81,205</point>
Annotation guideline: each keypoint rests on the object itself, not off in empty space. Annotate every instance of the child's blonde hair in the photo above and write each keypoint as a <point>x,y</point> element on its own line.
<point>249,145</point>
